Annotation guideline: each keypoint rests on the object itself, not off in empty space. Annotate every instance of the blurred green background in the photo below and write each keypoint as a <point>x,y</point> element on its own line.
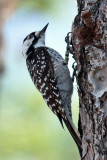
<point>28,129</point>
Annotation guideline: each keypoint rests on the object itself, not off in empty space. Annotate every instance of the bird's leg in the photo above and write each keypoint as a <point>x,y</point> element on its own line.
<point>69,48</point>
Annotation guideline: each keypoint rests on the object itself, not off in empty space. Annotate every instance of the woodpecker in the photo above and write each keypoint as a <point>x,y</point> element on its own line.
<point>51,77</point>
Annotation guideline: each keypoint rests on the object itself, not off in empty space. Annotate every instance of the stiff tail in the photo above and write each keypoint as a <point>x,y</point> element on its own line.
<point>75,134</point>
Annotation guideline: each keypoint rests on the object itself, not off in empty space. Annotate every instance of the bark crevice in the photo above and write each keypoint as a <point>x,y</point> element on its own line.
<point>89,40</point>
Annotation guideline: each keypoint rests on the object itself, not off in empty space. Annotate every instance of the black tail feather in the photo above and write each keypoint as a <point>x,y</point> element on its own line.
<point>60,119</point>
<point>74,135</point>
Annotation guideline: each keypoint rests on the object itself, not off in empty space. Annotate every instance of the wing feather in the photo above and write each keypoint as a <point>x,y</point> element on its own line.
<point>42,73</point>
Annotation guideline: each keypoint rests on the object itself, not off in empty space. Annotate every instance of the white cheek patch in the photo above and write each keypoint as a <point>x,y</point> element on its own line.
<point>37,33</point>
<point>41,42</point>
<point>26,45</point>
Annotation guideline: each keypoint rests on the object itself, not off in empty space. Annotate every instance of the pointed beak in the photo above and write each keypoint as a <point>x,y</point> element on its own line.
<point>44,29</point>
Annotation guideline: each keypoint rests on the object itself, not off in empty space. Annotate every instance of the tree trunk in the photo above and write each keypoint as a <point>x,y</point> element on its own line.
<point>89,40</point>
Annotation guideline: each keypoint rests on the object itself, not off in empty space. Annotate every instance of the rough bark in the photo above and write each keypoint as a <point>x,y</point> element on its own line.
<point>89,40</point>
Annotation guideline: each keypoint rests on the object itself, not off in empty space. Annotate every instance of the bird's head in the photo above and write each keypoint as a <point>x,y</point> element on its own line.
<point>33,40</point>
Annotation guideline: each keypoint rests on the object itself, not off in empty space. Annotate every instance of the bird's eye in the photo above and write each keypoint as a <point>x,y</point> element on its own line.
<point>30,36</point>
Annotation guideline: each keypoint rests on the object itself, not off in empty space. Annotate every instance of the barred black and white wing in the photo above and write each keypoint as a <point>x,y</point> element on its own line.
<point>41,69</point>
<point>42,73</point>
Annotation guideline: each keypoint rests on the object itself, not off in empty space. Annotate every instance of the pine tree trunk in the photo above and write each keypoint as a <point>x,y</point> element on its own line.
<point>89,40</point>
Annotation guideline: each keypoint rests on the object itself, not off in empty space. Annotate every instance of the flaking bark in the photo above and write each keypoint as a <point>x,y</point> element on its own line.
<point>89,40</point>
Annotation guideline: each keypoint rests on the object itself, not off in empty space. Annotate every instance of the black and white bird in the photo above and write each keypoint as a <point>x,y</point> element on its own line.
<point>51,77</point>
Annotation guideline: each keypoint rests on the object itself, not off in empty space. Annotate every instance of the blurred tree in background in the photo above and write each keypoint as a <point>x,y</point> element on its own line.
<point>38,4</point>
<point>6,8</point>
